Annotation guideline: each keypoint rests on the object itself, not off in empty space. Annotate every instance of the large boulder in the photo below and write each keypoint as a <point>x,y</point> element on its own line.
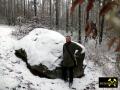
<point>42,52</point>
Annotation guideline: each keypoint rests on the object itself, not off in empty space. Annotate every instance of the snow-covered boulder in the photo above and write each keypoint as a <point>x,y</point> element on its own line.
<point>44,52</point>
<point>43,47</point>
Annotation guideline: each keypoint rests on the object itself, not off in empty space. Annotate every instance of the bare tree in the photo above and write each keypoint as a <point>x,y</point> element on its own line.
<point>35,7</point>
<point>79,33</point>
<point>101,25</point>
<point>57,13</point>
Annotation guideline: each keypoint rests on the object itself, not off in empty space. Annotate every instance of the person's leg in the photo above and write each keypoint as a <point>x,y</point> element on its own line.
<point>71,74</point>
<point>64,74</point>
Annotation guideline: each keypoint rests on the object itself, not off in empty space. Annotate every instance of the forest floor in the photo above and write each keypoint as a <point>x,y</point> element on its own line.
<point>14,74</point>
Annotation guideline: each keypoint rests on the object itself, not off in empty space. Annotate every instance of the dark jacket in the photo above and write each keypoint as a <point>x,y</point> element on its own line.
<point>68,61</point>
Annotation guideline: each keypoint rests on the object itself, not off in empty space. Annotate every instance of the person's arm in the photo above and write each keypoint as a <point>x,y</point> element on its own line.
<point>78,48</point>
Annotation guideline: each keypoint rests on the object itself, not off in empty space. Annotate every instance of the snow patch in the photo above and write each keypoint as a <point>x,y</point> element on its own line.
<point>6,82</point>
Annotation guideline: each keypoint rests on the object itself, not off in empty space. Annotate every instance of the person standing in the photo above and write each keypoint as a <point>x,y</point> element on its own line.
<point>69,62</point>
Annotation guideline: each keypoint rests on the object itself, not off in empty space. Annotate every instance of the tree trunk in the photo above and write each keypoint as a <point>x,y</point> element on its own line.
<point>87,16</point>
<point>35,8</point>
<point>43,4</point>
<point>79,36</point>
<point>50,11</point>
<point>57,14</point>
<point>67,16</point>
<point>101,27</point>
<point>101,31</point>
<point>24,9</point>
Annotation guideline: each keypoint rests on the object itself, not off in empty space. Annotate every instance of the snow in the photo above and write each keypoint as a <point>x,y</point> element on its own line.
<point>5,30</point>
<point>43,46</point>
<point>8,82</point>
<point>14,74</point>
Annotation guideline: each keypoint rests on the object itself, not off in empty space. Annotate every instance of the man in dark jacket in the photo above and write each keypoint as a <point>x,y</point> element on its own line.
<point>69,62</point>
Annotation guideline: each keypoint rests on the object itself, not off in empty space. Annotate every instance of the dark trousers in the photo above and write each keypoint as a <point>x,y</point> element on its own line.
<point>67,74</point>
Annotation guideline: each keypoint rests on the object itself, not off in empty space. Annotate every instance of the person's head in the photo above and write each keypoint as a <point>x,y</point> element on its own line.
<point>68,39</point>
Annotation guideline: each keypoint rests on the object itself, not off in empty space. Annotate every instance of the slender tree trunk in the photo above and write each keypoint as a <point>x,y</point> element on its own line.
<point>101,27</point>
<point>72,19</point>
<point>50,11</point>
<point>21,10</point>
<point>43,4</point>
<point>87,16</point>
<point>79,36</point>
<point>101,31</point>
<point>35,8</point>
<point>13,12</point>
<point>28,8</point>
<point>57,14</point>
<point>24,9</point>
<point>9,12</point>
<point>5,8</point>
<point>17,8</point>
<point>67,17</point>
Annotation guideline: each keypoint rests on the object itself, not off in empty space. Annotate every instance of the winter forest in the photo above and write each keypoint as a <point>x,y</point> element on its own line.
<point>33,34</point>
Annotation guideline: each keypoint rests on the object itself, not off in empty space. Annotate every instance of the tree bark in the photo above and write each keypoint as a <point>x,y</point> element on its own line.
<point>67,17</point>
<point>35,7</point>
<point>57,14</point>
<point>79,36</point>
<point>101,27</point>
<point>50,12</point>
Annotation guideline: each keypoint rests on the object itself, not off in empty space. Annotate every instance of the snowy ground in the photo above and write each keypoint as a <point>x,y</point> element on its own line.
<point>14,74</point>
